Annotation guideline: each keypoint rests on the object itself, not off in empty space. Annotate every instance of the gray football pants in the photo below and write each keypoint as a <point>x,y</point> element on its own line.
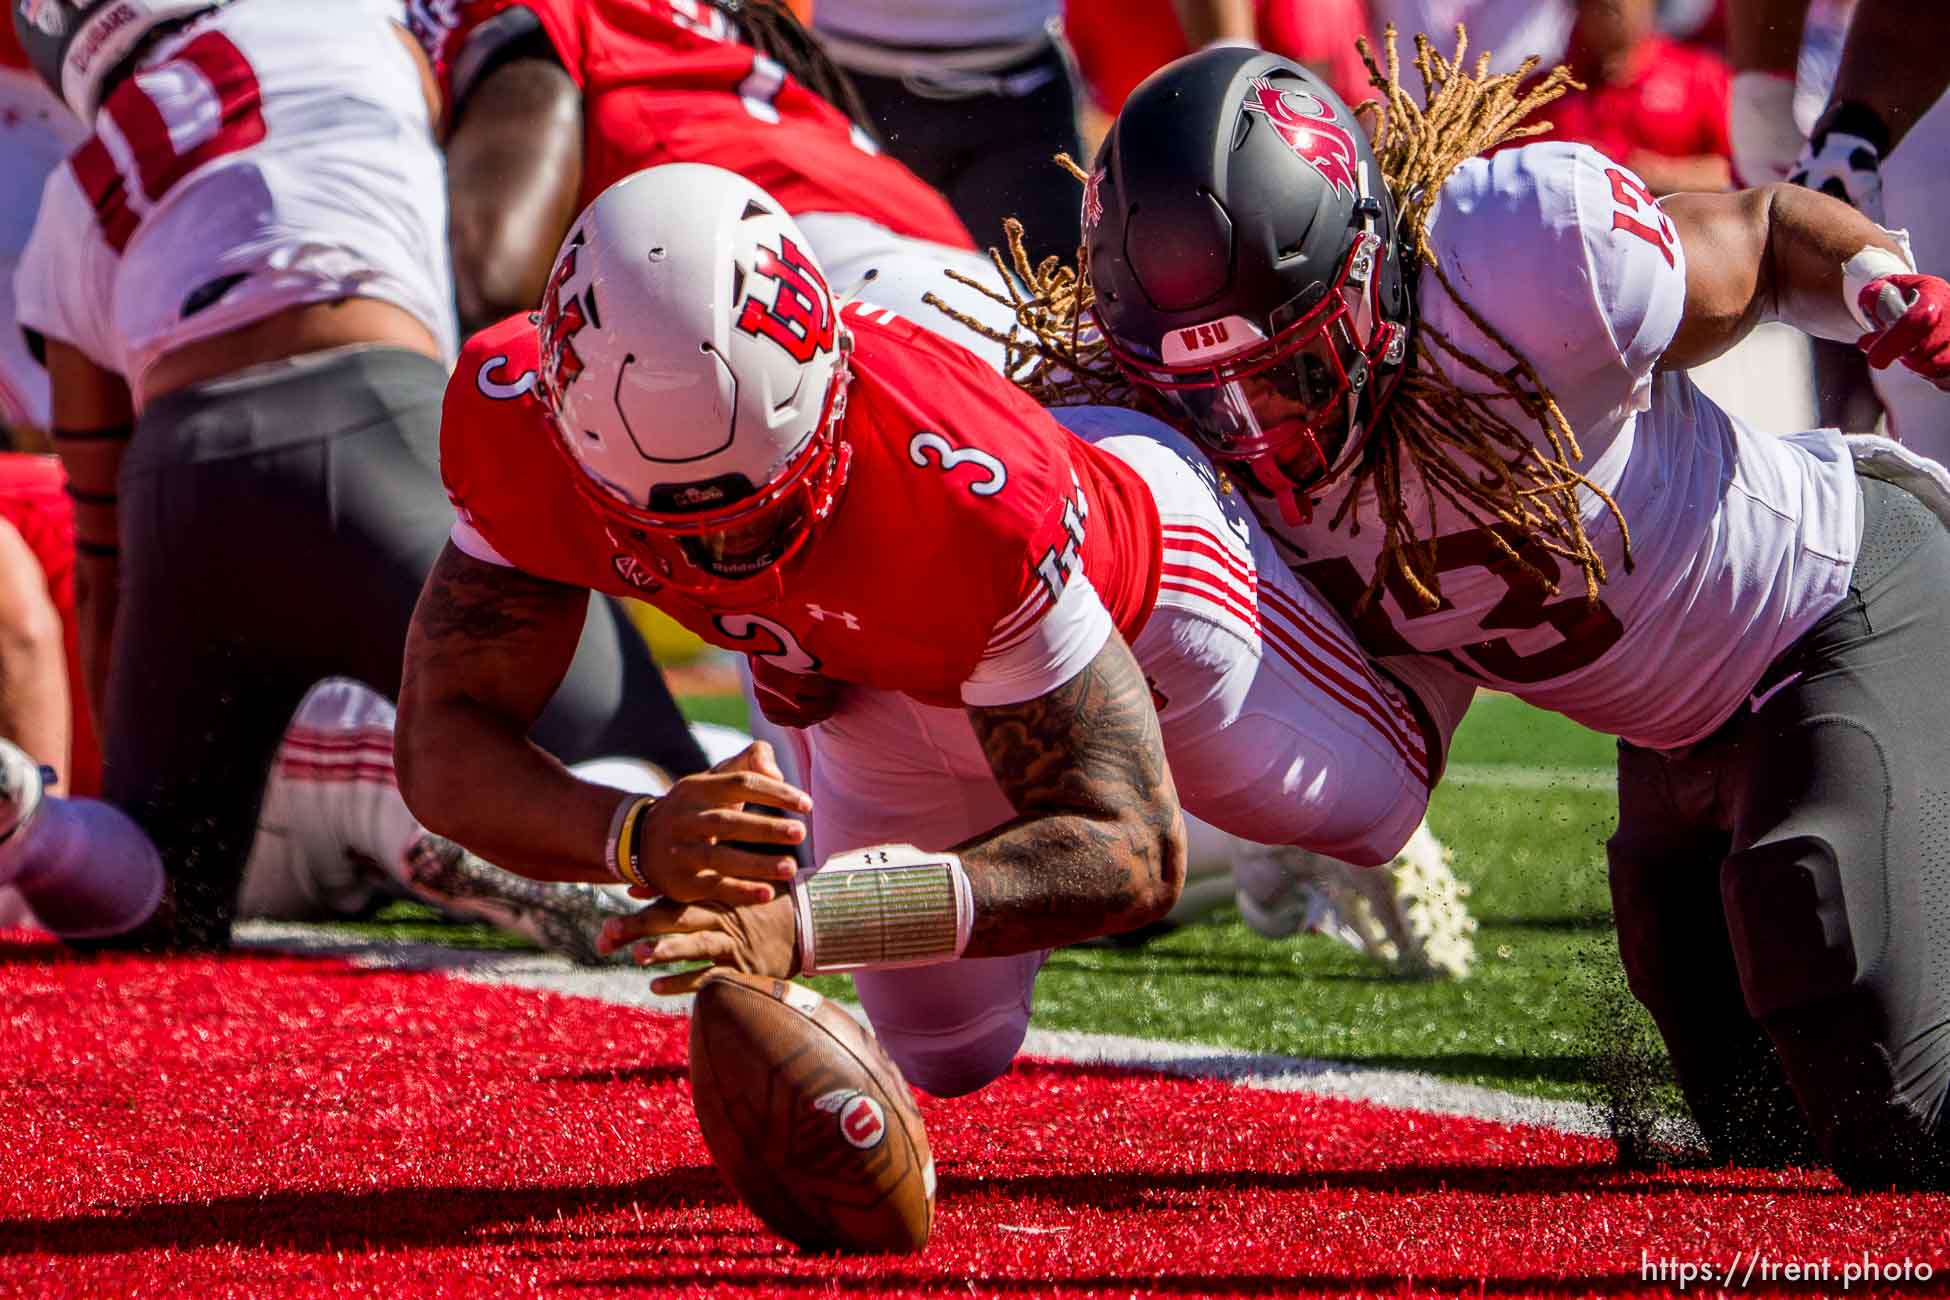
<point>276,527</point>
<point>1782,888</point>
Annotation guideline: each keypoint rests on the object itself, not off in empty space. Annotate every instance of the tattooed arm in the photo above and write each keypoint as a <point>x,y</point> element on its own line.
<point>487,647</point>
<point>1097,845</point>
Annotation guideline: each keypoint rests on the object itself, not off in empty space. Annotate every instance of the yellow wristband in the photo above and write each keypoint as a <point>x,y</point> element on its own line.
<point>623,851</point>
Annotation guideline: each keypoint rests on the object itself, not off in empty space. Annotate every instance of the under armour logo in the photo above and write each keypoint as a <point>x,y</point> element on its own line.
<point>821,615</point>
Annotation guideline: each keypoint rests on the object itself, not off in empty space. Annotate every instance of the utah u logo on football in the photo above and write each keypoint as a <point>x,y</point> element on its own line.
<point>800,316</point>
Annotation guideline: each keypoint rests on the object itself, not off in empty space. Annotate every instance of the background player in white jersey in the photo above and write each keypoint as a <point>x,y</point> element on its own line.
<point>240,277</point>
<point>1882,144</point>
<point>36,133</point>
<point>1455,386</point>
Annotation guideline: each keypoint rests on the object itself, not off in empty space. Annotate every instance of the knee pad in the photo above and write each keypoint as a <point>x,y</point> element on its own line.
<point>958,1063</point>
<point>1789,923</point>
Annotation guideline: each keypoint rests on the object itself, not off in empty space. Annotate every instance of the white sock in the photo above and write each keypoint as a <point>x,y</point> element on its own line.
<point>332,810</point>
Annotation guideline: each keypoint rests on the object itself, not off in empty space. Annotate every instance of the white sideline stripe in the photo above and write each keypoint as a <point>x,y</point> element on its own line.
<point>1514,777</point>
<point>627,986</point>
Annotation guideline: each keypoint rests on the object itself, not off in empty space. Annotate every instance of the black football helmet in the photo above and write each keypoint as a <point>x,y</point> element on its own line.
<point>1247,266</point>
<point>75,44</point>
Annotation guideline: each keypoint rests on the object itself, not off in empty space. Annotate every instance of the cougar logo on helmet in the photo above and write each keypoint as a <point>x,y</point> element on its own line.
<point>1307,125</point>
<point>1093,200</point>
<point>800,316</point>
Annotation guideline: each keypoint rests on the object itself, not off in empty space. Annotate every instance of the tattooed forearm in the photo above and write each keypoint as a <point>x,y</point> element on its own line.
<point>486,650</point>
<point>1097,845</point>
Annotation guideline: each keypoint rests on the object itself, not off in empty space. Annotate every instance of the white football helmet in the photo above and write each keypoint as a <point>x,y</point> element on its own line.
<point>694,365</point>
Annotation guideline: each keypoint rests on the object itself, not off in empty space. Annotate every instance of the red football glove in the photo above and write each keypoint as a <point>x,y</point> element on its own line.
<point>793,699</point>
<point>1920,336</point>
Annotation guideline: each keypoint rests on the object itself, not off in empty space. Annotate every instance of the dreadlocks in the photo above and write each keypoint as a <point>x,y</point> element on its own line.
<point>1463,446</point>
<point>772,29</point>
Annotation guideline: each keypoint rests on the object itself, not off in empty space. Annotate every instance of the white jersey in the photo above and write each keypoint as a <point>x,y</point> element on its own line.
<point>1739,541</point>
<point>36,133</point>
<point>269,155</point>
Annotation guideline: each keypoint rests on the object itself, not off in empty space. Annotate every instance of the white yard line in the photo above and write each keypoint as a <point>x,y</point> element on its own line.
<point>1512,777</point>
<point>625,986</point>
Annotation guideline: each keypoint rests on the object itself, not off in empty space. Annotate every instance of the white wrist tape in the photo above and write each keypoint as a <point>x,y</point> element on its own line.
<point>1871,263</point>
<point>882,907</point>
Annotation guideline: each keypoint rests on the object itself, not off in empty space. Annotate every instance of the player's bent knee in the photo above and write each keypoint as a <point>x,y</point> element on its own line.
<point>1789,923</point>
<point>1270,788</point>
<point>954,1065</point>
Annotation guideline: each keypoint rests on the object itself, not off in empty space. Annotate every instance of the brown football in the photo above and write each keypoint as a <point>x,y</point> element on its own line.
<point>808,1118</point>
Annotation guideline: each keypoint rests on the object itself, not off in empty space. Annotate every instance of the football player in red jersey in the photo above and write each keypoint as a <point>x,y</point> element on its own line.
<point>551,101</point>
<point>1011,626</point>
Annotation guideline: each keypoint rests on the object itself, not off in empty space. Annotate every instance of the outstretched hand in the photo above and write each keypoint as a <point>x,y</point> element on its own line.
<point>700,843</point>
<point>762,939</point>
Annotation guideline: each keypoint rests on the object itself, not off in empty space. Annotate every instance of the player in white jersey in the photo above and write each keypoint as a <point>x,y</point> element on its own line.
<point>1455,386</point>
<point>36,133</point>
<point>240,280</point>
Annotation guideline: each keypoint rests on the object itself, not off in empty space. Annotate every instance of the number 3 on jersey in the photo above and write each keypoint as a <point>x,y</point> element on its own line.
<point>163,123</point>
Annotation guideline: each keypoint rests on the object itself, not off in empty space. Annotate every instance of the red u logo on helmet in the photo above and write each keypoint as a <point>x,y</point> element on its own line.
<point>800,316</point>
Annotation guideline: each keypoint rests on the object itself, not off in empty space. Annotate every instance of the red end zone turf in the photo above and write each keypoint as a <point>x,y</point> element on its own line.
<point>269,1126</point>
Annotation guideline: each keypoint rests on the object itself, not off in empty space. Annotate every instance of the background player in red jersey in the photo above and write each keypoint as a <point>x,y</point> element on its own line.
<point>551,101</point>
<point>1016,625</point>
<point>42,708</point>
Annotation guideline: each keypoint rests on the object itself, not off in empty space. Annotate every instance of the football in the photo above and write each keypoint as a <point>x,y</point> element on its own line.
<point>808,1119</point>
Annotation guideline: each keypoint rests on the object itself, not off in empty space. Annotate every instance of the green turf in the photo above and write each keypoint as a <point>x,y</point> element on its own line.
<point>725,710</point>
<point>1545,1012</point>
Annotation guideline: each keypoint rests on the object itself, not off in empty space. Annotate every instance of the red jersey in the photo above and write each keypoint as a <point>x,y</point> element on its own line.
<point>1119,43</point>
<point>34,499</point>
<point>667,81</point>
<point>1673,103</point>
<point>967,516</point>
